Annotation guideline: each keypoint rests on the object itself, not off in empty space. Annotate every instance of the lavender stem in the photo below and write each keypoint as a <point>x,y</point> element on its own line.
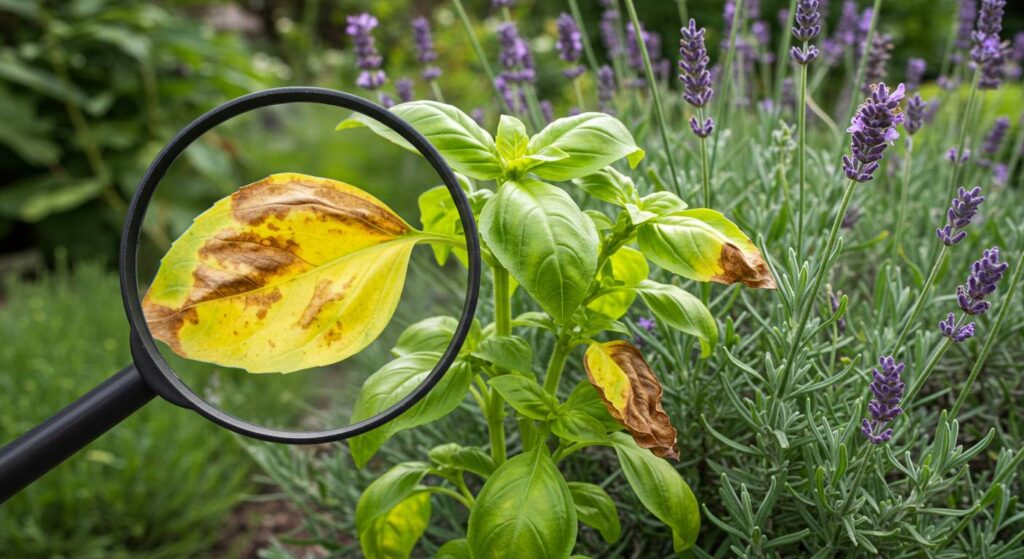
<point>1004,308</point>
<point>652,84</point>
<point>574,7</point>
<point>962,141</point>
<point>481,57</point>
<point>919,303</point>
<point>897,245</point>
<point>801,155</point>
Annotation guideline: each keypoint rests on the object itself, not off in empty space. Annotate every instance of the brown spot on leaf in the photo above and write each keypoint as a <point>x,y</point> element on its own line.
<point>165,323</point>
<point>322,296</point>
<point>272,198</point>
<point>642,415</point>
<point>750,269</point>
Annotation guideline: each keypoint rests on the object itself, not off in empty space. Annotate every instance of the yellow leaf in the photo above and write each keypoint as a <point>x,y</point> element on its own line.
<point>393,535</point>
<point>287,273</point>
<point>632,394</point>
<point>628,268</point>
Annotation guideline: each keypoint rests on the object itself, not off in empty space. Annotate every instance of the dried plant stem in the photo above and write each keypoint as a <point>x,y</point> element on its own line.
<point>816,284</point>
<point>652,85</point>
<point>1004,309</point>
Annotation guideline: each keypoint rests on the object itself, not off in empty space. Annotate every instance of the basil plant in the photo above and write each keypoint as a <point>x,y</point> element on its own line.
<point>328,261</point>
<point>584,270</point>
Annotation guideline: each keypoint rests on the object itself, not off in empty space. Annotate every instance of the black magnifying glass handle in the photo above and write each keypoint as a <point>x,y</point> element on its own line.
<point>46,445</point>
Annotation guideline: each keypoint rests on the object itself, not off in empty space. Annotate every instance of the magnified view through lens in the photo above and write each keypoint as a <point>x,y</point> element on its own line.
<point>315,274</point>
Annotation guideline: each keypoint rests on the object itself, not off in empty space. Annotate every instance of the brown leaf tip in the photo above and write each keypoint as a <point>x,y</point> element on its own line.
<point>747,268</point>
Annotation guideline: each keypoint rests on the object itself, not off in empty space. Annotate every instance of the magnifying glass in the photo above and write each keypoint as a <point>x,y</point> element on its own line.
<point>150,375</point>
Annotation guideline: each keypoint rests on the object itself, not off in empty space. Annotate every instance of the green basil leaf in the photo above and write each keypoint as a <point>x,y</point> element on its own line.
<point>534,319</point>
<point>455,549</point>
<point>524,509</point>
<point>682,311</point>
<point>512,138</point>
<point>391,383</point>
<point>541,237</point>
<point>510,353</point>
<point>592,141</point>
<point>585,398</point>
<point>470,459</point>
<point>601,221</point>
<point>596,509</point>
<point>578,427</point>
<point>609,186</point>
<point>703,245</point>
<point>661,490</point>
<point>627,267</point>
<point>525,395</point>
<point>438,214</point>
<point>429,334</point>
<point>393,512</point>
<point>468,148</point>
<point>662,203</point>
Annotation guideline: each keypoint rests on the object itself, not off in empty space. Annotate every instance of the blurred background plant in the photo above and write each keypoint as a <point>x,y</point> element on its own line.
<point>91,89</point>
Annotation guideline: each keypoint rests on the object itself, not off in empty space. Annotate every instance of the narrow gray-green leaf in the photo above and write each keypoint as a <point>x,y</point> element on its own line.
<point>541,237</point>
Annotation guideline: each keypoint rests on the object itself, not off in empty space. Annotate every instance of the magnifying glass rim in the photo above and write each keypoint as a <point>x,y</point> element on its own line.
<point>158,168</point>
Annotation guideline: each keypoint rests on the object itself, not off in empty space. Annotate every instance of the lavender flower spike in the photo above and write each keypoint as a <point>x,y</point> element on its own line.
<point>515,56</point>
<point>425,52</point>
<point>915,114</point>
<point>693,63</point>
<point>993,143</point>
<point>605,88</point>
<point>965,25</point>
<point>570,45</point>
<point>915,72</point>
<point>961,211</point>
<point>982,282</point>
<point>360,27</point>
<point>404,88</point>
<point>873,129</point>
<point>989,52</point>
<point>950,330</point>
<point>887,386</point>
<point>808,26</point>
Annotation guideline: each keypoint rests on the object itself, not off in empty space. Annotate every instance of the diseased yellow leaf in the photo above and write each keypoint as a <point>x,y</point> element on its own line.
<point>394,535</point>
<point>632,394</point>
<point>287,273</point>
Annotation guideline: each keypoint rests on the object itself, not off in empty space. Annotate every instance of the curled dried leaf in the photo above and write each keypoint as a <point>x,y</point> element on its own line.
<point>287,273</point>
<point>632,394</point>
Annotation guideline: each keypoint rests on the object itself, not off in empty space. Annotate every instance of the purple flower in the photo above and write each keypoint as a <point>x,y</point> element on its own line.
<point>515,56</point>
<point>783,17</point>
<point>950,330</point>
<point>993,143</point>
<point>961,211</point>
<point>851,218</point>
<point>425,52</point>
<point>547,110</point>
<point>761,32</point>
<point>360,27</point>
<point>965,25</point>
<point>404,89</point>
<point>846,30</point>
<point>570,45</point>
<point>477,115</point>
<point>646,323</point>
<point>887,387</point>
<point>503,3</point>
<point>803,56</point>
<point>956,159</point>
<point>915,72</point>
<point>1018,47</point>
<point>988,52</point>
<point>702,130</point>
<point>981,282</point>
<point>1000,174</point>
<point>915,114</point>
<point>931,110</point>
<point>609,33</point>
<point>693,63</point>
<point>873,129</point>
<point>605,87</point>
<point>878,59</point>
<point>652,41</point>
<point>808,21</point>
<point>387,101</point>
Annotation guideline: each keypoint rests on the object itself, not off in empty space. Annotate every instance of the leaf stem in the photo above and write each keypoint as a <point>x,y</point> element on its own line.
<point>819,278</point>
<point>990,340</point>
<point>652,85</point>
<point>502,327</point>
<point>556,364</point>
